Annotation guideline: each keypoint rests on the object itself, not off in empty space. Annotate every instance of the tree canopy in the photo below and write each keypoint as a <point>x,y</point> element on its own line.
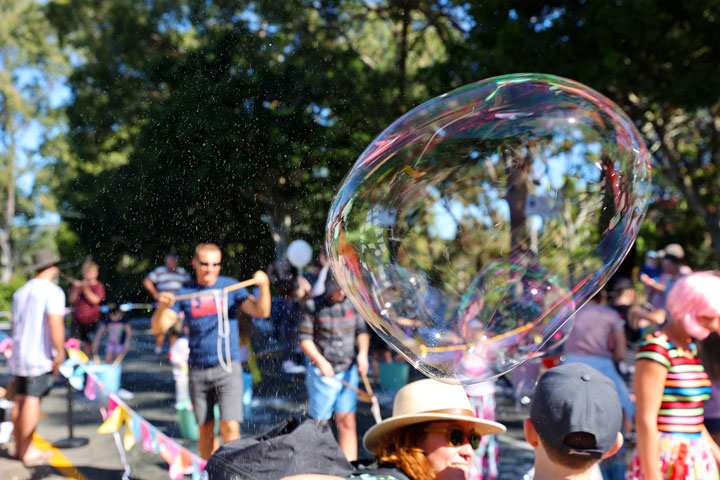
<point>235,121</point>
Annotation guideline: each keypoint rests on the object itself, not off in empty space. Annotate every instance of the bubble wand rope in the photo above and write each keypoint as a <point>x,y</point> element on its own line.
<point>221,307</point>
<point>229,288</point>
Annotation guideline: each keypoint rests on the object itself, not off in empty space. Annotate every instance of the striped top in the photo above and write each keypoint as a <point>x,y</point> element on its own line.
<point>334,329</point>
<point>687,386</point>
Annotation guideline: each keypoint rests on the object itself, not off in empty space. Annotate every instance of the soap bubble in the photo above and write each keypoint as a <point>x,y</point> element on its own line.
<point>472,228</point>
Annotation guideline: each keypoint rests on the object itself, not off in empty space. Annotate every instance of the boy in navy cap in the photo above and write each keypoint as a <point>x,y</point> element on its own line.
<point>575,421</point>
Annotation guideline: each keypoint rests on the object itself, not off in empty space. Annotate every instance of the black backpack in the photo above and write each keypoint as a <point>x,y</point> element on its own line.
<point>371,469</point>
<point>294,447</point>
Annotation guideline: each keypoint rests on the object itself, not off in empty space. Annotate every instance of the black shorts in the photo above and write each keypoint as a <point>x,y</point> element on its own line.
<point>34,386</point>
<point>82,331</point>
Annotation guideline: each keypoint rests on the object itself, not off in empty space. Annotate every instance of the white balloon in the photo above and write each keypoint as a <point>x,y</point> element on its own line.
<point>299,253</point>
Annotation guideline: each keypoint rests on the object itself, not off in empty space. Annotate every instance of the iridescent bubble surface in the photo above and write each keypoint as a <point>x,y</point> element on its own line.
<point>471,229</point>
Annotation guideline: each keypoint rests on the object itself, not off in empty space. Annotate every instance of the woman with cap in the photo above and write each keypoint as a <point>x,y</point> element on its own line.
<point>431,435</point>
<point>671,386</point>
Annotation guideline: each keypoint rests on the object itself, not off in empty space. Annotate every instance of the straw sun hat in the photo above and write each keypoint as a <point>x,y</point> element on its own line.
<point>428,401</point>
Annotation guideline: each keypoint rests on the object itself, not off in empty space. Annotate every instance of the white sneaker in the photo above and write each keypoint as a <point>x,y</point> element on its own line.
<point>6,429</point>
<point>291,367</point>
<point>124,394</point>
<point>158,350</point>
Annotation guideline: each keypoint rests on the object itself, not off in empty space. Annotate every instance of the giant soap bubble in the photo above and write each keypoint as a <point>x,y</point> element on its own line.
<point>472,228</point>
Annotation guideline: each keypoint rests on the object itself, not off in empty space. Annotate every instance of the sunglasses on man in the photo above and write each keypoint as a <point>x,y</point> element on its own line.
<point>208,264</point>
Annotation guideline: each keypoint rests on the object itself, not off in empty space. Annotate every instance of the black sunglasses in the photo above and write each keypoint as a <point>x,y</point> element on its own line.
<point>456,436</point>
<point>207,264</point>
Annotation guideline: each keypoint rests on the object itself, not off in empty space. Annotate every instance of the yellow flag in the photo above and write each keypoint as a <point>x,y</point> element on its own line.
<point>114,421</point>
<point>128,438</point>
<point>80,355</point>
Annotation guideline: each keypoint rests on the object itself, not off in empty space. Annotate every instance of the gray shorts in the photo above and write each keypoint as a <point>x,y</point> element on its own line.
<point>209,386</point>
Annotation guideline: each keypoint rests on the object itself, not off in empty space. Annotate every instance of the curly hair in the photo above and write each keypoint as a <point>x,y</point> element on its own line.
<point>399,449</point>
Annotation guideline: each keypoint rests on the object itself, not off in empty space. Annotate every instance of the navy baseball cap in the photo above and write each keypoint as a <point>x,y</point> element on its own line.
<point>575,398</point>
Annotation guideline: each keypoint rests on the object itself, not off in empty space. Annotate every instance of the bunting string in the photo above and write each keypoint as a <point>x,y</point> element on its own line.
<point>135,429</point>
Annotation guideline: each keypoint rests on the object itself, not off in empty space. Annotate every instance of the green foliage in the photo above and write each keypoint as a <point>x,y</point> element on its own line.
<point>30,63</point>
<point>234,121</point>
<point>7,290</point>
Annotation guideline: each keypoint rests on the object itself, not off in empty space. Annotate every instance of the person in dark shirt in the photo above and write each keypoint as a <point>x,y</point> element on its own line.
<point>335,340</point>
<point>86,296</point>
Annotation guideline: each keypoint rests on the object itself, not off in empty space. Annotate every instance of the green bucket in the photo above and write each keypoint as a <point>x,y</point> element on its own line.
<point>188,424</point>
<point>394,375</point>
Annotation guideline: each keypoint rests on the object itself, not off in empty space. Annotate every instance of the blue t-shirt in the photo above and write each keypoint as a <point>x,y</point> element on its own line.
<point>201,317</point>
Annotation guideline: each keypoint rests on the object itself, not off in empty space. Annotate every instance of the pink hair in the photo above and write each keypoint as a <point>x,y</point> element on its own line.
<point>697,294</point>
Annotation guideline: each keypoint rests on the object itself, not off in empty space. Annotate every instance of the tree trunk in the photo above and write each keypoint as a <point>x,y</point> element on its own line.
<point>402,58</point>
<point>6,259</point>
<point>516,195</point>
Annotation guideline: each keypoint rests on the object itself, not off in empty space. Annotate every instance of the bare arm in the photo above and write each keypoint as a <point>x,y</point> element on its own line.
<point>640,317</point>
<point>150,287</point>
<point>128,337</point>
<point>163,318</point>
<point>75,292</point>
<point>92,297</point>
<point>649,385</point>
<point>714,448</point>
<point>310,349</point>
<point>57,336</point>
<point>98,337</point>
<point>258,307</point>
<point>363,343</point>
<point>619,346</point>
<point>648,281</point>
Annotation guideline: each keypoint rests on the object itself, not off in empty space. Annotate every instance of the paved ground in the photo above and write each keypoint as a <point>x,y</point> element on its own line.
<point>149,378</point>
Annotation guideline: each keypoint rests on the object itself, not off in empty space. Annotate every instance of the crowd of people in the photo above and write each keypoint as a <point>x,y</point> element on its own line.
<point>638,369</point>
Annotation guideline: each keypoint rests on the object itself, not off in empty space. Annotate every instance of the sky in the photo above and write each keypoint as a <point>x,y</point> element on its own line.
<point>31,138</point>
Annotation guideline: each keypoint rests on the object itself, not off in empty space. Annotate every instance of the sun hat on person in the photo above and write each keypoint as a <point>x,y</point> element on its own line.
<point>576,398</point>
<point>652,254</point>
<point>428,401</point>
<point>42,259</point>
<point>674,250</point>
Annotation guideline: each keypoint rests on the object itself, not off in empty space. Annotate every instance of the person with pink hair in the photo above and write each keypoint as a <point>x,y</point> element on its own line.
<point>671,386</point>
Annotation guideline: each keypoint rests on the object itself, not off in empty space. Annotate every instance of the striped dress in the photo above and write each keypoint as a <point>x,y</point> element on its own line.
<point>684,452</point>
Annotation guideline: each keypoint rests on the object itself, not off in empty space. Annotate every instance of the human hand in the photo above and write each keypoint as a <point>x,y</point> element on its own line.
<point>261,279</point>
<point>326,369</point>
<point>166,299</point>
<point>57,361</point>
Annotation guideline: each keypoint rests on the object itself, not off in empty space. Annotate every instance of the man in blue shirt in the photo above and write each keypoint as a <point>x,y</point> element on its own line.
<point>215,369</point>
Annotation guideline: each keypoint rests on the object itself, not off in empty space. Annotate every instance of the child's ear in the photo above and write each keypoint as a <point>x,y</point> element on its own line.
<point>530,433</point>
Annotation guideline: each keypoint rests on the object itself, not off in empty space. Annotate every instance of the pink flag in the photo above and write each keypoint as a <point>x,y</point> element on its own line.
<point>112,402</point>
<point>90,390</point>
<point>147,442</point>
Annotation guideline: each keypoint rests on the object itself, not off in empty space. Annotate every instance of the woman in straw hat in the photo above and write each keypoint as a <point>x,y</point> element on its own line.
<point>431,435</point>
